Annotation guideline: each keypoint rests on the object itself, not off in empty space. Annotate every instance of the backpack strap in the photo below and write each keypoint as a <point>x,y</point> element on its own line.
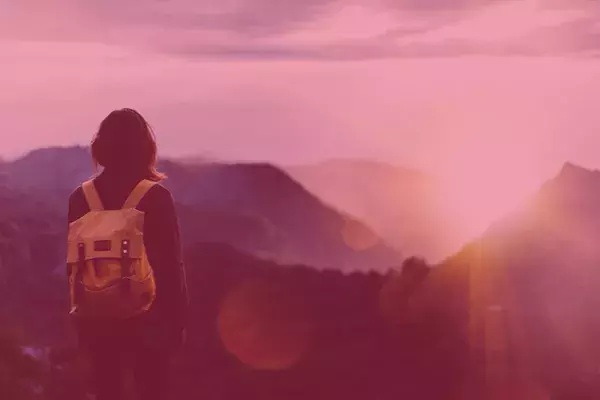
<point>91,196</point>
<point>138,193</point>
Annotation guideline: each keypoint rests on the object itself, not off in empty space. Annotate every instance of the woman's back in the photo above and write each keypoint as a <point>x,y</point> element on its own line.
<point>125,147</point>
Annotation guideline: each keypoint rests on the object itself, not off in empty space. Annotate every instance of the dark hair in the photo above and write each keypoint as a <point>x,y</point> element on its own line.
<point>125,141</point>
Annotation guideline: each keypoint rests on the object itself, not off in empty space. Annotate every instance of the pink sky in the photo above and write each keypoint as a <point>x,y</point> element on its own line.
<point>496,94</point>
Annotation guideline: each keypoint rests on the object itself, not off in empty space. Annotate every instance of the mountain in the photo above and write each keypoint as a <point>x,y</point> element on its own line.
<point>299,225</point>
<point>257,330</point>
<point>256,207</point>
<point>513,315</point>
<point>56,170</point>
<point>525,296</point>
<point>402,205</point>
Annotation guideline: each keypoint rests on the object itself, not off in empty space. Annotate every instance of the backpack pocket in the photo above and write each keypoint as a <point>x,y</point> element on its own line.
<point>103,291</point>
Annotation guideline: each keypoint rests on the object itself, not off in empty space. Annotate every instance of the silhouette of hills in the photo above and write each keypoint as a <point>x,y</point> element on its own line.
<point>256,207</point>
<point>54,171</point>
<point>511,315</point>
<point>299,225</point>
<point>525,295</point>
<point>303,334</point>
<point>402,205</point>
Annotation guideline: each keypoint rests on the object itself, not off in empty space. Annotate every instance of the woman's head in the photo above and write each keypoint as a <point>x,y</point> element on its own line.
<point>125,142</point>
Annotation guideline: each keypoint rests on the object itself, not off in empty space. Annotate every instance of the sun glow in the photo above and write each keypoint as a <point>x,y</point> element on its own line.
<point>481,194</point>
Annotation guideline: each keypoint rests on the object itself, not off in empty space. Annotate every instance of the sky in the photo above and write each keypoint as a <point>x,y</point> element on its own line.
<point>491,95</point>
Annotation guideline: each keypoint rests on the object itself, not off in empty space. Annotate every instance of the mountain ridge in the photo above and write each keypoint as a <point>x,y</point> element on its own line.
<point>513,314</point>
<point>532,279</point>
<point>277,214</point>
<point>403,205</point>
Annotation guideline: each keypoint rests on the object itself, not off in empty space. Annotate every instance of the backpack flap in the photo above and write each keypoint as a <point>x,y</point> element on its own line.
<point>102,233</point>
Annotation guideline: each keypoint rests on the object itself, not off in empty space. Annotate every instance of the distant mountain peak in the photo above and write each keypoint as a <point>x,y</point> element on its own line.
<point>54,151</point>
<point>572,172</point>
<point>573,181</point>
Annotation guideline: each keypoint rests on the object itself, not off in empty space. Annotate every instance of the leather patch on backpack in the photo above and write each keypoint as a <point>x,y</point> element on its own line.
<point>102,245</point>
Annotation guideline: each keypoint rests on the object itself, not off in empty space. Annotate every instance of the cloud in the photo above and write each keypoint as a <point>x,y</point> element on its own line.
<point>312,29</point>
<point>505,20</point>
<point>250,17</point>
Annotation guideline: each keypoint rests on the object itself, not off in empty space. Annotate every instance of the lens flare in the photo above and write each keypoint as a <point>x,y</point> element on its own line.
<point>357,236</point>
<point>264,326</point>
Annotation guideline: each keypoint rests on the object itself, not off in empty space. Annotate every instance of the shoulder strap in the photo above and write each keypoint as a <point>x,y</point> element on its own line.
<point>138,193</point>
<point>91,196</point>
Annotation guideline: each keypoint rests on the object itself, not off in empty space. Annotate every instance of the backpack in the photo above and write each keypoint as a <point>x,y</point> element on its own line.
<point>108,268</point>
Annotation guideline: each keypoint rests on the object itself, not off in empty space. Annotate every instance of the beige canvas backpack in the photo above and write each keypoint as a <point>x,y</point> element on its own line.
<point>109,272</point>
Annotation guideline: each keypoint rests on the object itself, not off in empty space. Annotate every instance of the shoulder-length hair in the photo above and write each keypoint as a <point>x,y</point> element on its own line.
<point>126,143</point>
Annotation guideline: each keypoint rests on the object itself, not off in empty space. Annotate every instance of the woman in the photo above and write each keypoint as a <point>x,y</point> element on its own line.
<point>142,345</point>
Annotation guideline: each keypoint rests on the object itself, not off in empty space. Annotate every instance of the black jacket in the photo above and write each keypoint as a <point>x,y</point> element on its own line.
<point>165,322</point>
